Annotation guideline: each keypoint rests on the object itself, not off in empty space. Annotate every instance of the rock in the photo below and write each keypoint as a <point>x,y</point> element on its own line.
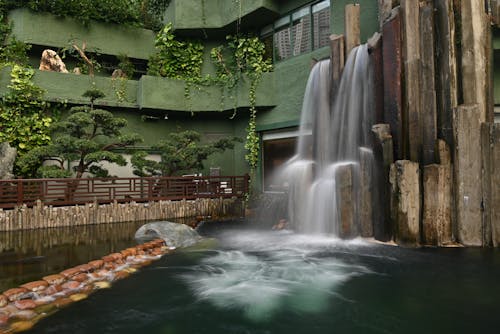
<point>54,279</point>
<point>35,286</point>
<point>96,264</point>
<point>176,235</point>
<point>15,293</point>
<point>3,300</point>
<point>102,285</point>
<point>78,296</point>
<point>68,273</point>
<point>121,275</point>
<point>80,277</point>
<point>71,285</point>
<point>63,302</point>
<point>24,315</point>
<point>21,326</point>
<point>118,74</point>
<point>52,62</point>
<point>77,71</point>
<point>25,304</point>
<point>4,318</point>
<point>7,158</point>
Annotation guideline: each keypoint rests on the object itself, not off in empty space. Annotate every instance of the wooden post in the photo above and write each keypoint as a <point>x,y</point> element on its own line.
<point>344,181</point>
<point>337,61</point>
<point>467,167</point>
<point>384,11</point>
<point>490,142</point>
<point>366,178</point>
<point>476,57</point>
<point>410,10</point>
<point>446,66</point>
<point>392,72</point>
<point>352,27</point>
<point>437,229</point>
<point>375,51</point>
<point>405,202</point>
<point>428,115</point>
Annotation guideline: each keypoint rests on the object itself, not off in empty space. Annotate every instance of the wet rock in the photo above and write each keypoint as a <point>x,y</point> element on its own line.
<point>15,293</point>
<point>35,286</point>
<point>24,315</point>
<point>3,300</point>
<point>4,318</point>
<point>54,279</point>
<point>51,290</point>
<point>78,296</point>
<point>52,62</point>
<point>21,326</point>
<point>83,277</point>
<point>96,264</point>
<point>25,304</point>
<point>85,268</point>
<point>121,275</point>
<point>68,273</point>
<point>62,302</point>
<point>177,235</point>
<point>71,285</point>
<point>102,285</point>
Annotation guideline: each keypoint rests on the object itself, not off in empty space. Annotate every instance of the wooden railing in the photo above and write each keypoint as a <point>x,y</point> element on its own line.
<point>59,192</point>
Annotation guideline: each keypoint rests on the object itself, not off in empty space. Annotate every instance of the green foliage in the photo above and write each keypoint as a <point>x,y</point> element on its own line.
<point>243,55</point>
<point>23,113</point>
<point>11,50</point>
<point>180,153</point>
<point>85,138</point>
<point>175,58</point>
<point>125,65</point>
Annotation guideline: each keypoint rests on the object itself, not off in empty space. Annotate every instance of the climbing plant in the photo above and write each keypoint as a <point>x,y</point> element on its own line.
<point>175,58</point>
<point>243,55</point>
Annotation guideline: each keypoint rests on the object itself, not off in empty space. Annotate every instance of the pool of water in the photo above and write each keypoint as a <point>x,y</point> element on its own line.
<point>278,282</point>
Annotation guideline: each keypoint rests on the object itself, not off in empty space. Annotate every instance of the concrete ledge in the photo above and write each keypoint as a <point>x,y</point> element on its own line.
<point>52,31</point>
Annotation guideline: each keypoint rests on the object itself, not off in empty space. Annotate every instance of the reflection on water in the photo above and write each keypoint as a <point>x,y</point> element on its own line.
<point>30,255</point>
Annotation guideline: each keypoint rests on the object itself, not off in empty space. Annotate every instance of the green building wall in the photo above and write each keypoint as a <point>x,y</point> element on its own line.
<point>156,106</point>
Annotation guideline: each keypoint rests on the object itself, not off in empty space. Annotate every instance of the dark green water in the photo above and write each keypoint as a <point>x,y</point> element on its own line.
<point>283,283</point>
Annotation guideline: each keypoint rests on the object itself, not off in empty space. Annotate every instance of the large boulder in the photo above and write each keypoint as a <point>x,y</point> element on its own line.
<point>175,235</point>
<point>7,158</point>
<point>52,62</point>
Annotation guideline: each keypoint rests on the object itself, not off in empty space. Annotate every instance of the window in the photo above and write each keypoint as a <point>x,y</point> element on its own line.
<point>299,32</point>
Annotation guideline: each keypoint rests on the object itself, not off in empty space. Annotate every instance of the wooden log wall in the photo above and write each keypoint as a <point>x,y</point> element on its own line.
<point>41,216</point>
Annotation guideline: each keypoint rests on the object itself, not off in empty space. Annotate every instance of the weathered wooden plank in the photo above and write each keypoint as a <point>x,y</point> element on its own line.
<point>352,27</point>
<point>437,205</point>
<point>410,24</point>
<point>476,57</point>
<point>490,143</point>
<point>446,67</point>
<point>428,117</point>
<point>337,59</point>
<point>467,172</point>
<point>405,202</point>
<point>384,11</point>
<point>383,155</point>
<point>376,55</point>
<point>392,72</point>
<point>366,187</point>
<point>344,181</point>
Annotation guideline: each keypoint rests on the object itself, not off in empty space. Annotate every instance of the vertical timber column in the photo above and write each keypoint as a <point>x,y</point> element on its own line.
<point>410,10</point>
<point>428,117</point>
<point>347,210</point>
<point>337,61</point>
<point>384,11</point>
<point>476,57</point>
<point>352,28</point>
<point>392,71</point>
<point>467,167</point>
<point>437,230</point>
<point>375,51</point>
<point>383,154</point>
<point>405,202</point>
<point>366,189</point>
<point>446,67</point>
<point>490,134</point>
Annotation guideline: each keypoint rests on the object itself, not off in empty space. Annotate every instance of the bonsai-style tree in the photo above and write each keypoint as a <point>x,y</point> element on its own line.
<point>81,141</point>
<point>180,152</point>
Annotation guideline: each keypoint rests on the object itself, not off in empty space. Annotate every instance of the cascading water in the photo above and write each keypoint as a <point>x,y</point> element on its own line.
<point>334,138</point>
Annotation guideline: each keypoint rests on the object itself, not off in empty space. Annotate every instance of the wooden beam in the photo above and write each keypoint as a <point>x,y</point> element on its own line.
<point>352,27</point>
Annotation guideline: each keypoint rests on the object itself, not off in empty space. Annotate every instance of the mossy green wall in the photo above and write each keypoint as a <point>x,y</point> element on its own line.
<point>49,30</point>
<point>209,14</point>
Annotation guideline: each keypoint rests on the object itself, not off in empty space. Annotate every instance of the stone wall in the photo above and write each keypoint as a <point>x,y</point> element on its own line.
<point>41,216</point>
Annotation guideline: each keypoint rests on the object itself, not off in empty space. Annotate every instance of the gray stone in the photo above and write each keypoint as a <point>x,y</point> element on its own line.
<point>7,159</point>
<point>174,234</point>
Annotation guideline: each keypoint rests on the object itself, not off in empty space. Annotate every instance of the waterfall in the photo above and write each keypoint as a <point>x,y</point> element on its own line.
<point>329,178</point>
